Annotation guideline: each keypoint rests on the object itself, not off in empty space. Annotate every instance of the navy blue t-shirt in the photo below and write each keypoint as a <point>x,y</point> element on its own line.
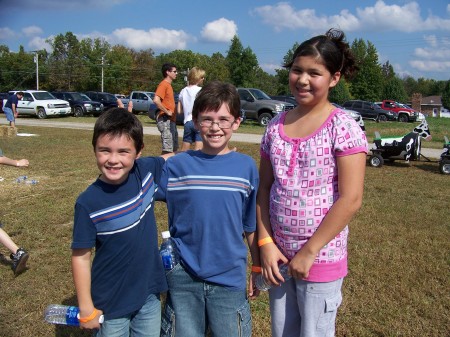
<point>12,99</point>
<point>119,221</point>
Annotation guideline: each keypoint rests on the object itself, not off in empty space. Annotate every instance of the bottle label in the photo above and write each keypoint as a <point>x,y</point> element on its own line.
<point>167,261</point>
<point>71,316</point>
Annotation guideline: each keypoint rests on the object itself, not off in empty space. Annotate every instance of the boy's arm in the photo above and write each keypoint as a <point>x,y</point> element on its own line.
<point>81,270</point>
<point>254,253</point>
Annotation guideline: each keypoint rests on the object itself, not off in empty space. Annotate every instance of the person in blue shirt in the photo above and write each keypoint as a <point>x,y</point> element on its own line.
<point>115,215</point>
<point>211,201</point>
<point>10,108</point>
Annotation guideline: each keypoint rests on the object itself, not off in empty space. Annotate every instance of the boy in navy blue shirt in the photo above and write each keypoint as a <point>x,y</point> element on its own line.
<point>115,215</point>
<point>211,201</point>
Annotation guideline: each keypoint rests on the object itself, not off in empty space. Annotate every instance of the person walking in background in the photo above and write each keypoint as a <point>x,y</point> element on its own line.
<point>10,108</point>
<point>115,214</point>
<point>166,116</point>
<point>211,201</point>
<point>186,99</point>
<point>311,184</point>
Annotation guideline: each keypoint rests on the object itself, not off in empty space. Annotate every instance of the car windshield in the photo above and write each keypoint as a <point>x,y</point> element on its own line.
<point>110,98</point>
<point>84,97</point>
<point>259,95</point>
<point>43,95</point>
<point>76,96</point>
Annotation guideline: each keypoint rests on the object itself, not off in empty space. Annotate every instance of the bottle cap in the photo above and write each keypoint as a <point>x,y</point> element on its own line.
<point>165,234</point>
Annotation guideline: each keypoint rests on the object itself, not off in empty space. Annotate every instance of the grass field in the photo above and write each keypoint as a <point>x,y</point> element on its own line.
<point>398,282</point>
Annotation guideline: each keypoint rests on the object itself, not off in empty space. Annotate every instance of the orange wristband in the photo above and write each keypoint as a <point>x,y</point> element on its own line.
<point>89,318</point>
<point>265,241</point>
<point>256,269</point>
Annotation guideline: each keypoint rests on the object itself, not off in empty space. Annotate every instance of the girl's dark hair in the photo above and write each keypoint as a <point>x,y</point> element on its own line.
<point>332,49</point>
<point>213,95</point>
<point>117,122</point>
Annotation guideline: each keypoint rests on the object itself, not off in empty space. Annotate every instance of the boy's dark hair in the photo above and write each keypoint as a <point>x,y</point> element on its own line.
<point>213,95</point>
<point>117,122</point>
<point>167,67</point>
<point>332,49</point>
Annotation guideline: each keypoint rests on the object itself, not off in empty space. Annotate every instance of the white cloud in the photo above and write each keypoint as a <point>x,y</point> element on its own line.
<point>7,33</point>
<point>380,17</point>
<point>221,30</point>
<point>160,39</point>
<point>433,56</point>
<point>429,66</point>
<point>38,43</point>
<point>32,31</point>
<point>270,67</point>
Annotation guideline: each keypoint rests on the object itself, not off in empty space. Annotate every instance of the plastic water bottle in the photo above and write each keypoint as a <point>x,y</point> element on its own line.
<point>168,252</point>
<point>64,314</point>
<point>31,182</point>
<point>21,179</point>
<point>263,285</point>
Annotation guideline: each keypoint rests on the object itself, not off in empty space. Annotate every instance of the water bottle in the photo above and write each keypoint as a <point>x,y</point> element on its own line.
<point>168,252</point>
<point>64,314</point>
<point>21,179</point>
<point>31,182</point>
<point>263,285</point>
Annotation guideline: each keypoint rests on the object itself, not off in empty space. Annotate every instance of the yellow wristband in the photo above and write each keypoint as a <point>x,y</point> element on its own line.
<point>265,241</point>
<point>89,318</point>
<point>256,269</point>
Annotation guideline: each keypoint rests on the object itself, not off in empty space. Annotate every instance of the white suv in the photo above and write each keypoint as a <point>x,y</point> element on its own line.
<point>42,104</point>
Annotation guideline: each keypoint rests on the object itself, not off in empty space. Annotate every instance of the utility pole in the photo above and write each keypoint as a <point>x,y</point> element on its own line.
<point>36,60</point>
<point>103,58</point>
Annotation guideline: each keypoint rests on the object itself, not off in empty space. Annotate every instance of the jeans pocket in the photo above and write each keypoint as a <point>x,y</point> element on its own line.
<point>329,313</point>
<point>168,320</point>
<point>244,320</point>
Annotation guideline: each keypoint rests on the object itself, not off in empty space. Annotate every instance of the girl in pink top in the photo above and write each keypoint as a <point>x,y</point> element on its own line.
<point>311,184</point>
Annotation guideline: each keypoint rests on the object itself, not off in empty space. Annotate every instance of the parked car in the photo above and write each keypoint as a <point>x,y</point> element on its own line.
<point>285,98</point>
<point>120,96</point>
<point>259,106</point>
<point>355,115</point>
<point>142,101</point>
<point>80,103</point>
<point>3,95</point>
<point>404,113</point>
<point>41,104</point>
<point>370,110</point>
<point>108,100</point>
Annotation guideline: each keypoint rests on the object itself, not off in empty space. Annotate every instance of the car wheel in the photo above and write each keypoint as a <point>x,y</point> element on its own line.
<point>264,119</point>
<point>376,160</point>
<point>403,118</point>
<point>444,166</point>
<point>382,118</point>
<point>41,114</point>
<point>78,111</point>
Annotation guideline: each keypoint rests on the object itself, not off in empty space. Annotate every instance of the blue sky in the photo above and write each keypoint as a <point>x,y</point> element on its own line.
<point>414,36</point>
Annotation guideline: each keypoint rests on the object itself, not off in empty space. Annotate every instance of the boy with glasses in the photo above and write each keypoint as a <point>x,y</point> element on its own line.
<point>166,116</point>
<point>211,201</point>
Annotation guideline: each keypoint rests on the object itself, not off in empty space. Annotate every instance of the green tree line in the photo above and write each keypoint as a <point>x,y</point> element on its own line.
<point>90,64</point>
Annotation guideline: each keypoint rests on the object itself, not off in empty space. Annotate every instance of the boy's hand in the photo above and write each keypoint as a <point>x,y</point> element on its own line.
<point>94,323</point>
<point>253,292</point>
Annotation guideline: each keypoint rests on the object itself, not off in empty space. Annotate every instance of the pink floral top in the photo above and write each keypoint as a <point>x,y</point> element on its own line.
<point>306,186</point>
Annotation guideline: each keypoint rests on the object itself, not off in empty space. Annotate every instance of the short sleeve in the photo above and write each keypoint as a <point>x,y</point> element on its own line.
<point>348,136</point>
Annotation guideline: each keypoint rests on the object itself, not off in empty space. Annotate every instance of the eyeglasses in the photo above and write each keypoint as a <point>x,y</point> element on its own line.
<point>223,123</point>
<point>174,71</point>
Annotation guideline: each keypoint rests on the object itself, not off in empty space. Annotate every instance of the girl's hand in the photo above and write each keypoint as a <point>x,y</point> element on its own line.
<point>253,292</point>
<point>270,255</point>
<point>301,264</point>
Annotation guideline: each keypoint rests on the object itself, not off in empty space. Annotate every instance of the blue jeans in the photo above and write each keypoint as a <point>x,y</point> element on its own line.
<point>194,306</point>
<point>145,322</point>
<point>305,309</point>
<point>9,114</point>
<point>190,133</point>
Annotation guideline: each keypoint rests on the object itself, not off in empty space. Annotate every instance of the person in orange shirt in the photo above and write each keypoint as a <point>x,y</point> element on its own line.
<point>166,116</point>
